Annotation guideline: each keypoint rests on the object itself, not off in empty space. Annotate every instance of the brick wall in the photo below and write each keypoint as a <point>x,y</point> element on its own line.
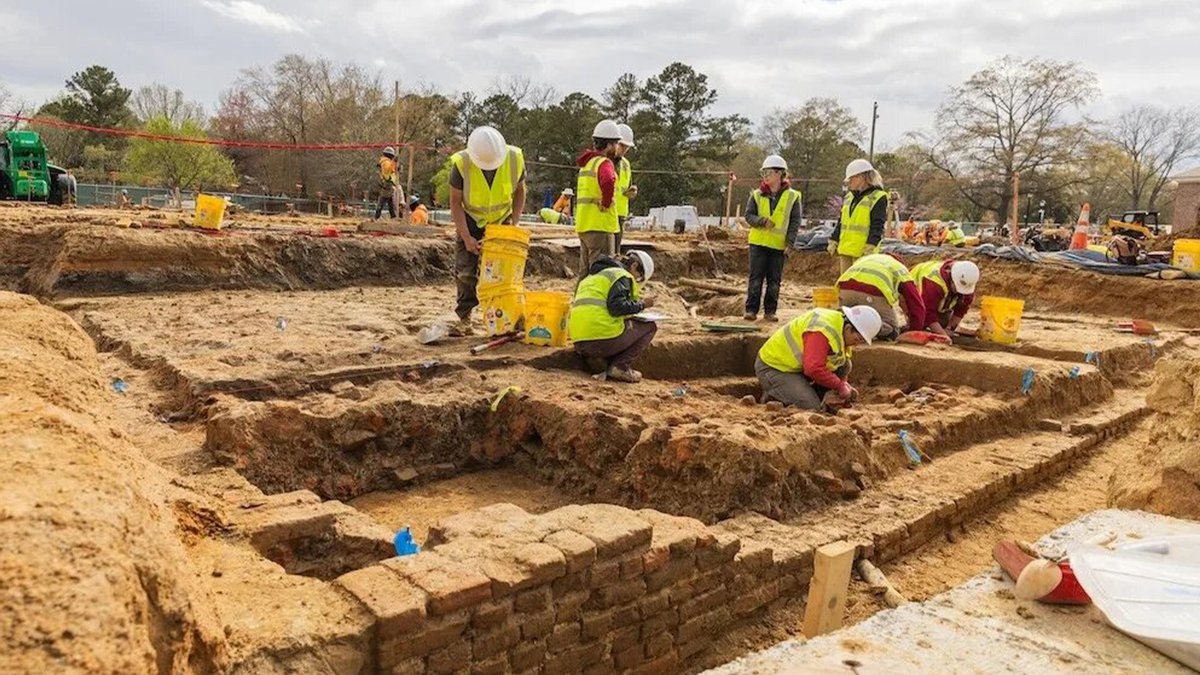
<point>1187,207</point>
<point>594,589</point>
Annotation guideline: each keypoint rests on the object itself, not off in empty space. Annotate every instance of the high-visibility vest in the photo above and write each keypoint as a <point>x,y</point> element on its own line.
<point>784,351</point>
<point>588,216</point>
<point>388,177</point>
<point>932,270</point>
<point>590,318</point>
<point>420,215</point>
<point>775,235</point>
<point>856,225</point>
<point>955,237</point>
<point>624,181</point>
<point>880,271</point>
<point>494,203</point>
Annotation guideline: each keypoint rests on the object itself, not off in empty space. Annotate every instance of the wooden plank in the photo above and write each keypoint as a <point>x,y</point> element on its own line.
<point>879,583</point>
<point>826,606</point>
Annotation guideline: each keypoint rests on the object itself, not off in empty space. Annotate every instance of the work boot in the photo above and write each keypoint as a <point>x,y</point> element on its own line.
<point>749,317</point>
<point>770,318</point>
<point>462,329</point>
<point>624,375</point>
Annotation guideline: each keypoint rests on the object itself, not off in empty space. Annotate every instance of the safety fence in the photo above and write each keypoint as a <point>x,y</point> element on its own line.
<point>109,194</point>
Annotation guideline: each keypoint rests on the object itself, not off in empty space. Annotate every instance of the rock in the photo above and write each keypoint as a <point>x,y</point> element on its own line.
<point>405,475</point>
<point>857,468</point>
<point>749,399</point>
<point>895,395</point>
<point>851,413</point>
<point>437,470</point>
<point>825,480</point>
<point>339,387</point>
<point>1049,425</point>
<point>849,489</point>
<point>774,406</point>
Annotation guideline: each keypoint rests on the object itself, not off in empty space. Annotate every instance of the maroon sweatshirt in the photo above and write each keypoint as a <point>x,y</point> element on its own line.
<point>606,175</point>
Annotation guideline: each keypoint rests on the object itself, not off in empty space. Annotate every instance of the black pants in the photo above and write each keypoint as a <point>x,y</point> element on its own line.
<point>386,198</point>
<point>766,264</point>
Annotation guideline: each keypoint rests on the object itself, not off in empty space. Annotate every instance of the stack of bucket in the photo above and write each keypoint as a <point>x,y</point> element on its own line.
<point>501,285</point>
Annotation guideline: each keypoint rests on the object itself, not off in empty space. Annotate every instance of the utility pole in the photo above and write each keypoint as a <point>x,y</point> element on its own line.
<point>729,198</point>
<point>1016,206</point>
<point>396,111</point>
<point>874,117</point>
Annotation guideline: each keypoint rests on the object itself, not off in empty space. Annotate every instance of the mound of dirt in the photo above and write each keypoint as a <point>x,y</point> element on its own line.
<point>1166,476</point>
<point>95,579</point>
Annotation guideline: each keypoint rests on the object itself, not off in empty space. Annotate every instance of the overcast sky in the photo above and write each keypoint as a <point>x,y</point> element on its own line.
<point>758,55</point>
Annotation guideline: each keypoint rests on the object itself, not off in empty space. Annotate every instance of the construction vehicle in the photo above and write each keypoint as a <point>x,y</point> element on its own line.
<point>1136,224</point>
<point>1046,238</point>
<point>24,172</point>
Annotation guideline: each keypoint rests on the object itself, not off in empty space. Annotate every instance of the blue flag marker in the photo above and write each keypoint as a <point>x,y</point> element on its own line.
<point>910,448</point>
<point>1074,372</point>
<point>1092,358</point>
<point>1027,381</point>
<point>404,543</point>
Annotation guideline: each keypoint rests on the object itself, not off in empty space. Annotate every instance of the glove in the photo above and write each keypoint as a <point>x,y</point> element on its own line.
<point>832,247</point>
<point>846,392</point>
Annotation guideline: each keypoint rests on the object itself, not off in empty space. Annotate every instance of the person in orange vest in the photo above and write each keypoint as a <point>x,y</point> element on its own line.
<point>419,214</point>
<point>389,181</point>
<point>563,203</point>
<point>908,231</point>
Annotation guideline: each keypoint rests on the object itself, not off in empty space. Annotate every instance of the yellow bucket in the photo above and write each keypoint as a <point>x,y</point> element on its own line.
<point>1186,255</point>
<point>546,318</point>
<point>826,297</point>
<point>502,312</point>
<point>210,211</point>
<point>1000,319</point>
<point>502,260</point>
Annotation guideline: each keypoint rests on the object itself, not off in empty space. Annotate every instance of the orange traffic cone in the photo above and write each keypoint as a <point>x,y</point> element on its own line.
<point>1079,240</point>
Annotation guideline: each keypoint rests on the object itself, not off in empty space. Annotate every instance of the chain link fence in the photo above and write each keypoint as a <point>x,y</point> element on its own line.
<point>108,194</point>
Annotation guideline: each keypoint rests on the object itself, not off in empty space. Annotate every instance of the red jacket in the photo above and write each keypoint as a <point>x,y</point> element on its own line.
<point>933,295</point>
<point>816,350</point>
<point>914,306</point>
<point>606,175</point>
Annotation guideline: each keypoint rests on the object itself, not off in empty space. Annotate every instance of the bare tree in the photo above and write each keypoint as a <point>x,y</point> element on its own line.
<point>1014,116</point>
<point>1154,141</point>
<point>11,104</point>
<point>158,100</point>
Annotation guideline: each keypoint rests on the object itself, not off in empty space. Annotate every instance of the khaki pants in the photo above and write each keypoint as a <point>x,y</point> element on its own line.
<point>887,313</point>
<point>792,389</point>
<point>593,245</point>
<point>466,279</point>
<point>844,262</point>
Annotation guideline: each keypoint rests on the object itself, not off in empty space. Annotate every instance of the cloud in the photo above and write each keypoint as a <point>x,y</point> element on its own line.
<point>254,14</point>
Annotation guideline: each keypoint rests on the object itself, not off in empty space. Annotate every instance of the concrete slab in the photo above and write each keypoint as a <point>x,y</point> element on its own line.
<point>980,627</point>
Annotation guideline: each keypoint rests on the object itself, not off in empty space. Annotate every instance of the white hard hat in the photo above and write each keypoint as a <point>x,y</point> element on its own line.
<point>389,151</point>
<point>487,148</point>
<point>569,192</point>
<point>858,166</point>
<point>626,135</point>
<point>773,162</point>
<point>865,320</point>
<point>646,262</point>
<point>607,130</point>
<point>965,275</point>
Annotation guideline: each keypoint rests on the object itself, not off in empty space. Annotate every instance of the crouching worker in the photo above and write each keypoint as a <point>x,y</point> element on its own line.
<point>810,356</point>
<point>947,289</point>
<point>881,281</point>
<point>600,323</point>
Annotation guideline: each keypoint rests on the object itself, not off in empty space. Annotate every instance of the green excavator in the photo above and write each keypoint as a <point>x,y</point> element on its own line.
<point>24,172</point>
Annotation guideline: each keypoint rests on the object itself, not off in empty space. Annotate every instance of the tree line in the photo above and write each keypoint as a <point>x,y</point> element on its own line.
<point>1028,117</point>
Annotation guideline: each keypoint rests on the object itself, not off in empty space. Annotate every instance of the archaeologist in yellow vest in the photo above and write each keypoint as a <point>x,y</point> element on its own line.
<point>551,216</point>
<point>954,235</point>
<point>596,220</point>
<point>626,190</point>
<point>600,325</point>
<point>487,186</point>
<point>864,215</point>
<point>773,214</point>
<point>882,282</point>
<point>810,356</point>
<point>947,291</point>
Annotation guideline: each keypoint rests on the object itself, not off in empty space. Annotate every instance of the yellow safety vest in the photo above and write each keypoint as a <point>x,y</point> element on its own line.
<point>856,226</point>
<point>775,235</point>
<point>494,203</point>
<point>880,271</point>
<point>550,215</point>
<point>588,216</point>
<point>590,318</point>
<point>932,270</point>
<point>955,237</point>
<point>784,351</point>
<point>624,181</point>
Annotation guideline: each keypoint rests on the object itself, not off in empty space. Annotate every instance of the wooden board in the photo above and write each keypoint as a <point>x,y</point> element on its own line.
<point>826,606</point>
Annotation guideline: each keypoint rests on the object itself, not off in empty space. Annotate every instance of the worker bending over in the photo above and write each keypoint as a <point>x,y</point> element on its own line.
<point>810,355</point>
<point>773,213</point>
<point>626,190</point>
<point>487,186</point>
<point>947,291</point>
<point>596,220</point>
<point>552,217</point>
<point>418,214</point>
<point>881,281</point>
<point>599,322</point>
<point>864,215</point>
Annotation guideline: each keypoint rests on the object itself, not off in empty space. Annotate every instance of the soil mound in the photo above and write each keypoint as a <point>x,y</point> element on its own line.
<point>1166,476</point>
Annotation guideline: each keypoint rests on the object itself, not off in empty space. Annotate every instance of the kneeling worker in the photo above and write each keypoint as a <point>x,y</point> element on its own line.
<point>599,322</point>
<point>810,355</point>
<point>947,289</point>
<point>881,281</point>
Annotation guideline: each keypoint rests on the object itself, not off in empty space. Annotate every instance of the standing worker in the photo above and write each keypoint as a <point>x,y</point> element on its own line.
<point>864,215</point>
<point>487,185</point>
<point>626,190</point>
<point>954,235</point>
<point>389,181</point>
<point>810,355</point>
<point>599,322</point>
<point>881,281</point>
<point>773,213</point>
<point>596,220</point>
<point>947,291</point>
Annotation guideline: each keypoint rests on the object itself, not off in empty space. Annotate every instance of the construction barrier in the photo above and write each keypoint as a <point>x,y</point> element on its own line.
<point>546,318</point>
<point>501,285</point>
<point>1000,319</point>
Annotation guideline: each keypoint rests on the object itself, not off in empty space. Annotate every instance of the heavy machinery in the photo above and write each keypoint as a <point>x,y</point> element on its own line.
<point>1136,224</point>
<point>24,172</point>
